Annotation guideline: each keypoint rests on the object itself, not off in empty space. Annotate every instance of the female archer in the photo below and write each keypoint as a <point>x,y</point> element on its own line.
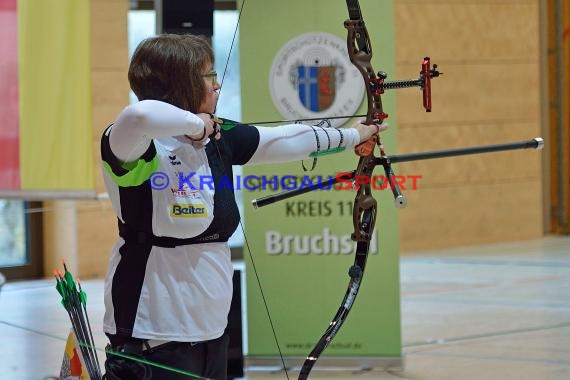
<point>169,282</point>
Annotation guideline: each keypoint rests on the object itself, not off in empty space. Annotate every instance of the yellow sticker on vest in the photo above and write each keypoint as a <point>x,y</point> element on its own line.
<point>188,210</point>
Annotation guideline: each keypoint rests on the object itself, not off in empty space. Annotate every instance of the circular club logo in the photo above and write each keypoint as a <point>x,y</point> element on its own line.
<point>312,77</point>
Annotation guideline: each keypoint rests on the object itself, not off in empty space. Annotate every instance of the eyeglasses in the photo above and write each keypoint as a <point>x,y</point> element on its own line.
<point>213,75</point>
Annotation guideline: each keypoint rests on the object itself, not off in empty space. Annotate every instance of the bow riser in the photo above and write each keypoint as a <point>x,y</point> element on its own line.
<point>360,54</point>
<point>364,201</point>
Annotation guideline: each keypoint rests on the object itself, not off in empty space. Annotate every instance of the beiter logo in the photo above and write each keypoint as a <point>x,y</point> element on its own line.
<point>312,77</point>
<point>187,210</point>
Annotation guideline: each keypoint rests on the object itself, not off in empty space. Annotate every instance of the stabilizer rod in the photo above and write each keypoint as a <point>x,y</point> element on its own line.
<point>536,143</point>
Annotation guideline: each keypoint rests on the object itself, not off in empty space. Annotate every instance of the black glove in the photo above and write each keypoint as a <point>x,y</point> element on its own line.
<point>124,363</point>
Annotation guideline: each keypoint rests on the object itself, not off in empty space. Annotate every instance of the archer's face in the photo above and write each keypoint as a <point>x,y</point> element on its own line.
<point>208,104</point>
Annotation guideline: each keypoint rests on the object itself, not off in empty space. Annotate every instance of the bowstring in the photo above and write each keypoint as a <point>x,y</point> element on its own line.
<point>250,255</point>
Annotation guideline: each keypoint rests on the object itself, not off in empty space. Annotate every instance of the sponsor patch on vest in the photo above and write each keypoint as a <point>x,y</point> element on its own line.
<point>188,210</point>
<point>185,193</point>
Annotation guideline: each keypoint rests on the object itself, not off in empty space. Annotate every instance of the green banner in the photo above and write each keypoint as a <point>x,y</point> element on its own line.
<point>301,246</point>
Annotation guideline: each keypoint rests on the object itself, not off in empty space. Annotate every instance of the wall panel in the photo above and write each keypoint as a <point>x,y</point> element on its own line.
<point>489,93</point>
<point>96,222</point>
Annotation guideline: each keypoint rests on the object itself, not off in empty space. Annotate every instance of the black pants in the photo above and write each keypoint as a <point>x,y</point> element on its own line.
<point>206,359</point>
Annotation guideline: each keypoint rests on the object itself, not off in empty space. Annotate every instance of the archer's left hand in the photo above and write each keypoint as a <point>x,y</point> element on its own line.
<point>367,131</point>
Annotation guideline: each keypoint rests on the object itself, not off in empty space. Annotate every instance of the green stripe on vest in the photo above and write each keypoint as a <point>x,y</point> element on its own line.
<point>228,124</point>
<point>139,171</point>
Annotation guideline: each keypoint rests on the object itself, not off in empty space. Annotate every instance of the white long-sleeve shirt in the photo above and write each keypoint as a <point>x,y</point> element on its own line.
<point>170,272</point>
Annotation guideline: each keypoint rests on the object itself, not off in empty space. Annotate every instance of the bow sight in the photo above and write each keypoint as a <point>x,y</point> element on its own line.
<point>423,82</point>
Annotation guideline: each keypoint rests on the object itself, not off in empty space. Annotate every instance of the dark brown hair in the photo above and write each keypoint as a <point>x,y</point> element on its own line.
<point>169,67</point>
